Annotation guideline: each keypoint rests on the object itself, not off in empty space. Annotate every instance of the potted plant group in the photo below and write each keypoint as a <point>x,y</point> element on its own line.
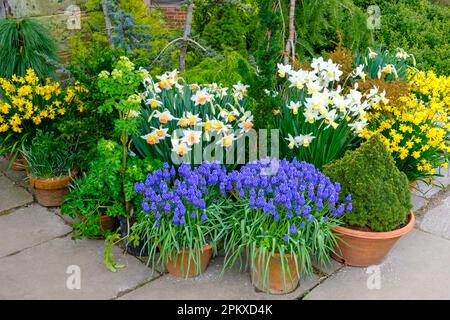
<point>282,219</point>
<point>51,166</point>
<point>381,204</point>
<point>27,104</point>
<point>182,220</point>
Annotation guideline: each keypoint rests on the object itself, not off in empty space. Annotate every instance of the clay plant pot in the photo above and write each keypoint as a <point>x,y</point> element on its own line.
<point>362,248</point>
<point>412,185</point>
<point>178,266</point>
<point>274,283</point>
<point>19,163</point>
<point>51,192</point>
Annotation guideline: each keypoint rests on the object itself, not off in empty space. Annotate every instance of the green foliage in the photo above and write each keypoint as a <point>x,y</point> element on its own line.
<point>93,39</point>
<point>25,44</point>
<point>224,24</point>
<point>380,195</point>
<point>418,26</point>
<point>318,23</point>
<point>375,62</point>
<point>50,156</point>
<point>267,54</point>
<point>100,191</point>
<point>226,70</point>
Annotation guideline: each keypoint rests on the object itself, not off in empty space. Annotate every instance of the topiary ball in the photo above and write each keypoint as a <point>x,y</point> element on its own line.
<point>380,194</point>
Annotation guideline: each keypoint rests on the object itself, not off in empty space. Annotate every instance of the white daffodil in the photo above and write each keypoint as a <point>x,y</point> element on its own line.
<point>359,72</point>
<point>310,115</point>
<point>160,133</point>
<point>298,79</point>
<point>283,69</point>
<point>202,97</point>
<point>372,54</point>
<point>227,140</point>
<point>191,137</point>
<point>292,142</point>
<point>331,72</point>
<point>151,138</point>
<point>247,124</point>
<point>173,76</point>
<point>164,117</point>
<point>180,148</point>
<point>194,87</point>
<point>358,126</point>
<point>154,103</point>
<point>133,114</point>
<point>240,91</point>
<point>220,127</point>
<point>340,103</point>
<point>305,140</point>
<point>183,122</point>
<point>294,106</point>
<point>164,81</point>
<point>193,119</point>
<point>317,64</point>
<point>402,54</point>
<point>315,102</point>
<point>313,87</point>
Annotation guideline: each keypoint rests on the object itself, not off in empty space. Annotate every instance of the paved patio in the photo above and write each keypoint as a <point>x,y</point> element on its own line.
<point>36,255</point>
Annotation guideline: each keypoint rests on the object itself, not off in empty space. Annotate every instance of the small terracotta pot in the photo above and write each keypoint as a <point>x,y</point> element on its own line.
<point>274,283</point>
<point>178,266</point>
<point>412,185</point>
<point>362,248</point>
<point>108,223</point>
<point>51,192</point>
<point>19,163</point>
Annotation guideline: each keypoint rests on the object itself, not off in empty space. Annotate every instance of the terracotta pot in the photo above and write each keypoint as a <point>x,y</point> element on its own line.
<point>412,185</point>
<point>363,248</point>
<point>178,266</point>
<point>108,223</point>
<point>274,283</point>
<point>19,163</point>
<point>51,192</point>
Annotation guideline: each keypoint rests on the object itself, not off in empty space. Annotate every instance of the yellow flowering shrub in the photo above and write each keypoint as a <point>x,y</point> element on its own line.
<point>26,103</point>
<point>416,128</point>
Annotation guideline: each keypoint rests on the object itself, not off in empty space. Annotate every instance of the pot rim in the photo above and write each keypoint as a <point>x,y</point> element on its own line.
<point>53,183</point>
<point>206,247</point>
<point>277,255</point>
<point>377,235</point>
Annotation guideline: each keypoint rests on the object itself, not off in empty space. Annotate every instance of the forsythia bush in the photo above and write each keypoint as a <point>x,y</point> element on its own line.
<point>25,102</point>
<point>415,129</point>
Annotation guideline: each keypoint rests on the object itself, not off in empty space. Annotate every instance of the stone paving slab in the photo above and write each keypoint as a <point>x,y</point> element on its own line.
<point>12,196</point>
<point>416,268</point>
<point>27,227</point>
<point>234,285</point>
<point>40,272</point>
<point>17,177</point>
<point>437,219</point>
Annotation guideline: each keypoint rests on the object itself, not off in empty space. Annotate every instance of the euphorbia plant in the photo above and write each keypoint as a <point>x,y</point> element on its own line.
<point>120,88</point>
<point>288,211</point>
<point>181,211</point>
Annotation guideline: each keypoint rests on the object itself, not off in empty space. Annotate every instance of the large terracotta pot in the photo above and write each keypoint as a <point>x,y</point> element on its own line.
<point>362,248</point>
<point>178,266</point>
<point>51,192</point>
<point>274,283</point>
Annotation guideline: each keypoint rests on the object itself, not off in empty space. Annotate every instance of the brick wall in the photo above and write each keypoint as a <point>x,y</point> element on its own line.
<point>175,15</point>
